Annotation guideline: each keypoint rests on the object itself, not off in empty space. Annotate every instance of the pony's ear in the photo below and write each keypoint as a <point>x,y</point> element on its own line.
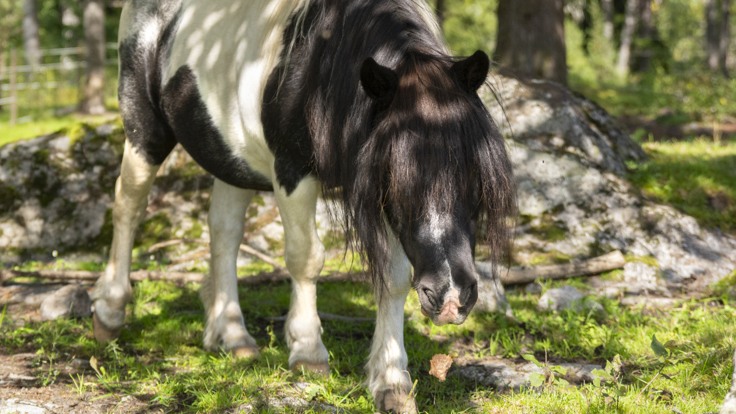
<point>379,82</point>
<point>472,72</point>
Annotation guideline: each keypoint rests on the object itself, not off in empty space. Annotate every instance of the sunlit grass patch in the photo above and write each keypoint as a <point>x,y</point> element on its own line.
<point>697,177</point>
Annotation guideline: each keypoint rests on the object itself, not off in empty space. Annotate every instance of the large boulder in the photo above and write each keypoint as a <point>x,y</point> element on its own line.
<point>570,161</point>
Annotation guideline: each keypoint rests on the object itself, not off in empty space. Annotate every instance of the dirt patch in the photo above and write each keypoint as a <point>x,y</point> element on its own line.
<point>22,390</point>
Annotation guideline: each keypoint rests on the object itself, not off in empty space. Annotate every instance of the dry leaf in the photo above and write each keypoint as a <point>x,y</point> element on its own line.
<point>439,365</point>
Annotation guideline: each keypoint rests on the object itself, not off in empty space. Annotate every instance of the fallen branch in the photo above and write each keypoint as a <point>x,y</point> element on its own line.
<point>512,276</point>
<point>595,266</point>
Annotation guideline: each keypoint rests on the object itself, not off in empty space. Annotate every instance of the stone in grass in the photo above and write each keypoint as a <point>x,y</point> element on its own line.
<point>729,404</point>
<point>71,301</point>
<point>568,297</point>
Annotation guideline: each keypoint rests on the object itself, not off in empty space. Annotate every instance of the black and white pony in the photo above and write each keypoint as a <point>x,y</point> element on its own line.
<point>355,98</point>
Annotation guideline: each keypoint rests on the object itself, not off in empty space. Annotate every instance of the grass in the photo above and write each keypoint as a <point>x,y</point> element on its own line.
<point>697,176</point>
<point>159,355</point>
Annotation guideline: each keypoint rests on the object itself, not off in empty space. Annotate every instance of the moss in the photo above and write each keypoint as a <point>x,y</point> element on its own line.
<point>9,198</point>
<point>549,257</point>
<point>647,260</point>
<point>196,231</point>
<point>155,229</point>
<point>726,287</point>
<point>333,239</point>
<point>547,227</point>
<point>103,240</point>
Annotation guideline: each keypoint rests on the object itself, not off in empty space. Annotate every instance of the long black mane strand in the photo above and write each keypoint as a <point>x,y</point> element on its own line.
<point>437,144</point>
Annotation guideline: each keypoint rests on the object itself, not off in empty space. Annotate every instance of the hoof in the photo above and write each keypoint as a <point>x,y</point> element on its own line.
<point>322,368</point>
<point>397,402</point>
<point>103,334</point>
<point>245,352</point>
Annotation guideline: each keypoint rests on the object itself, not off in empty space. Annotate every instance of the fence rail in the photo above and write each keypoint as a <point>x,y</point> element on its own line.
<point>55,83</point>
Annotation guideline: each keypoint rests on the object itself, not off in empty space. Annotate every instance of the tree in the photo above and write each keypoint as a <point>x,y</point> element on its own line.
<point>94,34</point>
<point>631,20</point>
<point>531,38</point>
<point>718,34</point>
<point>608,27</point>
<point>31,41</point>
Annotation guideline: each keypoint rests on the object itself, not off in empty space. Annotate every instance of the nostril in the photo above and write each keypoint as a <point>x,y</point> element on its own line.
<point>429,294</point>
<point>468,293</point>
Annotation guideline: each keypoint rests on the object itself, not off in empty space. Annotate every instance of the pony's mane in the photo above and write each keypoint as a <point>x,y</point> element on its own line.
<point>444,147</point>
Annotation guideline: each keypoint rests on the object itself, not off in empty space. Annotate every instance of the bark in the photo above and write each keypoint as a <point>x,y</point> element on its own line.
<point>718,34</point>
<point>608,26</point>
<point>31,41</point>
<point>531,39</point>
<point>725,36</point>
<point>712,33</point>
<point>628,31</point>
<point>646,33</point>
<point>94,34</point>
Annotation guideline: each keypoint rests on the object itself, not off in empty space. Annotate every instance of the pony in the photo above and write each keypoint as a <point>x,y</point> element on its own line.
<point>358,100</point>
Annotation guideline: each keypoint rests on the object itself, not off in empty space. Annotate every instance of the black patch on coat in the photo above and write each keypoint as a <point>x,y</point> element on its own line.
<point>192,126</point>
<point>138,89</point>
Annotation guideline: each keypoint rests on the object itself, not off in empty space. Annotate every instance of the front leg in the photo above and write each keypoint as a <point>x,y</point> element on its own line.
<point>388,377</point>
<point>304,258</point>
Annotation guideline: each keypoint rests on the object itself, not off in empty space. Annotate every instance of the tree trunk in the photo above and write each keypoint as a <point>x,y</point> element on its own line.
<point>627,37</point>
<point>31,41</point>
<point>441,9</point>
<point>531,38</point>
<point>718,34</point>
<point>712,34</point>
<point>94,34</point>
<point>608,27</point>
<point>725,36</point>
<point>644,50</point>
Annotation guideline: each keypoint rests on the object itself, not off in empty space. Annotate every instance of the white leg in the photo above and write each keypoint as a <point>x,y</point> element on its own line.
<point>225,328</point>
<point>304,259</point>
<point>388,377</point>
<point>112,290</point>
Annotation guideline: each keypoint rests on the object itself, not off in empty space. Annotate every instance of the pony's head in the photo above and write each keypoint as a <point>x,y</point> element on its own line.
<point>435,168</point>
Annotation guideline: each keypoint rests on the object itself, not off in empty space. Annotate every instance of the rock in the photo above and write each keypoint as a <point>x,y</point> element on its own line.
<point>70,301</point>
<point>570,161</point>
<point>729,404</point>
<point>568,298</point>
<point>498,374</point>
<point>491,293</point>
<point>641,278</point>
<point>15,405</point>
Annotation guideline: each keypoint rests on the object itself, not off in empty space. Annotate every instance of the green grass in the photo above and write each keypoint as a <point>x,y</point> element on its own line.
<point>42,123</point>
<point>159,354</point>
<point>696,176</point>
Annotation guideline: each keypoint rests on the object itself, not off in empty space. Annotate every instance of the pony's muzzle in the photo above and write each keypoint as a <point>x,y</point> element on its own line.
<point>453,307</point>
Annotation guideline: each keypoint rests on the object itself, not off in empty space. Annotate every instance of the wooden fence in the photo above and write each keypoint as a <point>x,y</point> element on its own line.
<point>55,84</point>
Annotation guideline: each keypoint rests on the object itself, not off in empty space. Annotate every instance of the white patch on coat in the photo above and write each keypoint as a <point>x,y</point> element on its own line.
<point>232,48</point>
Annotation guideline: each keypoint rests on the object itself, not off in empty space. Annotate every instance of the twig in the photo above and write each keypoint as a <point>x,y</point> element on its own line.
<point>597,265</point>
<point>264,257</point>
